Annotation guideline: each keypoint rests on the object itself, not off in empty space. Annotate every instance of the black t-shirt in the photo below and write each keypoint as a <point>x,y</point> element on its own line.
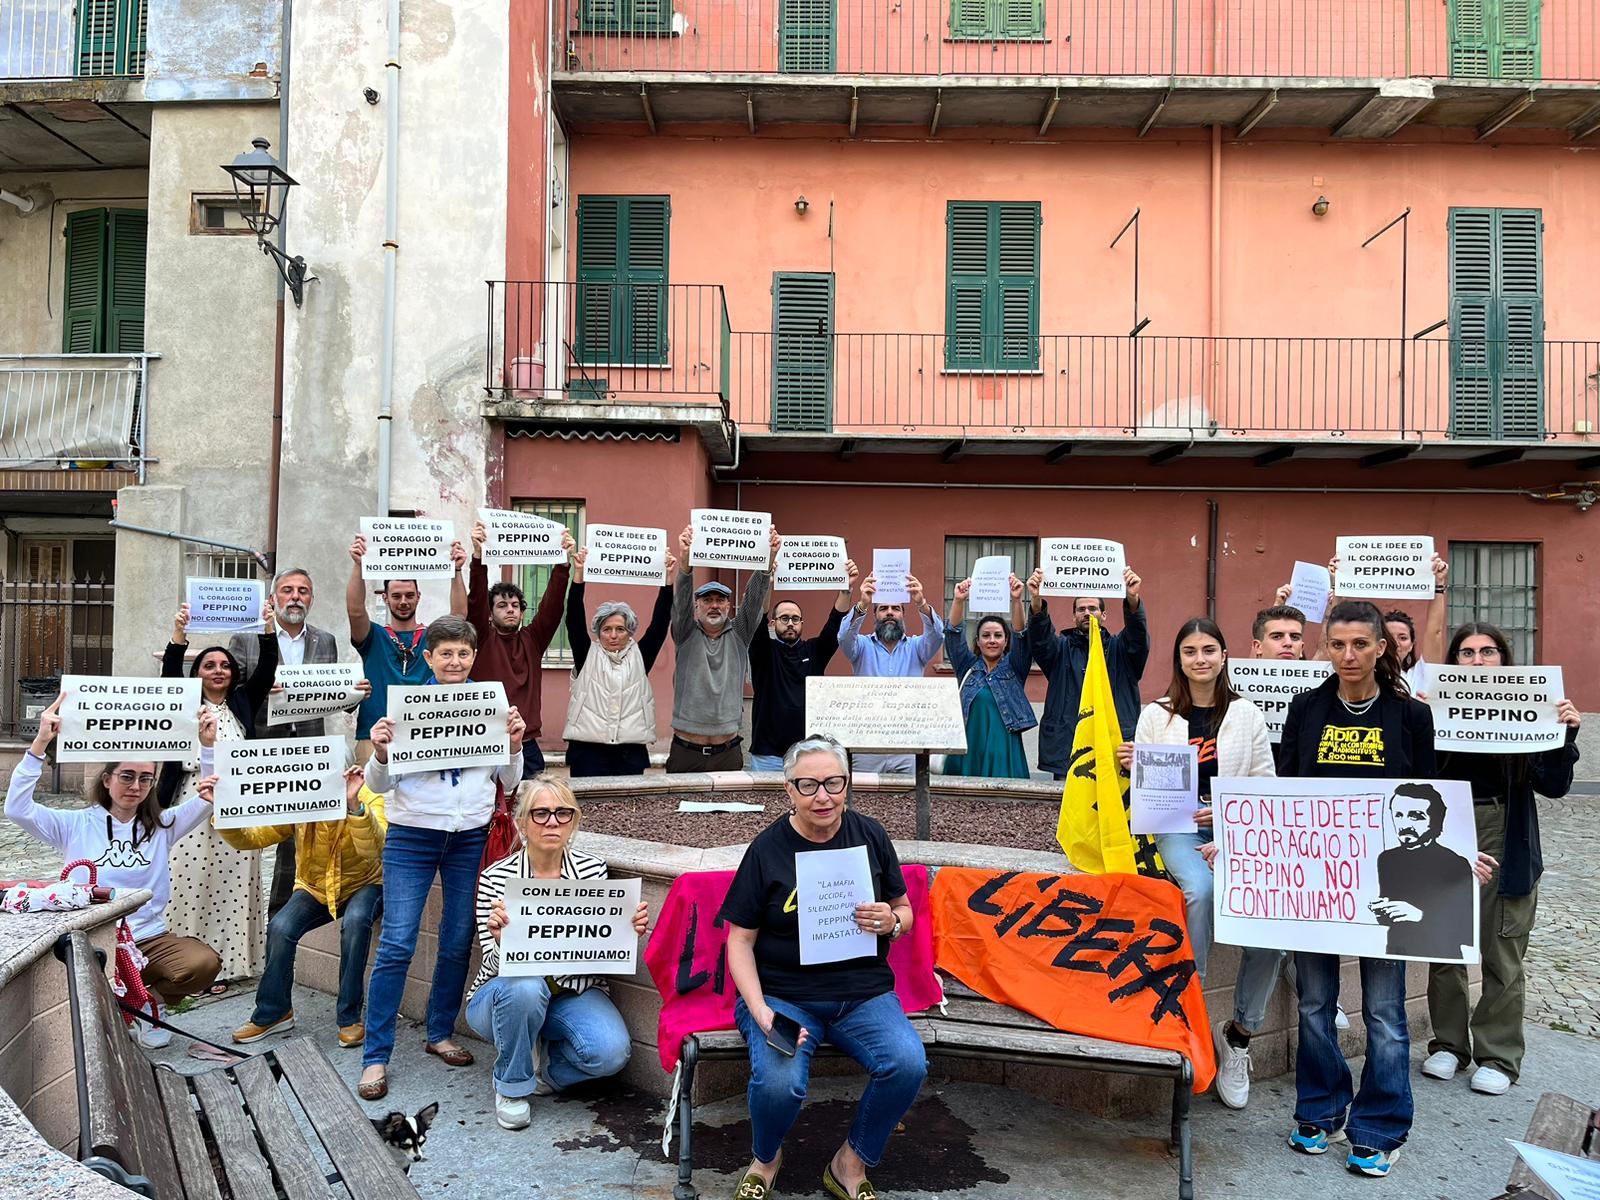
<point>1439,882</point>
<point>762,897</point>
<point>1351,746</point>
<point>1204,738</point>
<point>1485,772</point>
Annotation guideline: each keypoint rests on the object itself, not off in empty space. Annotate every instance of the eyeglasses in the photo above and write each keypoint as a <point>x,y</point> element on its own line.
<point>788,619</point>
<point>1467,653</point>
<point>130,778</point>
<point>552,816</point>
<point>834,785</point>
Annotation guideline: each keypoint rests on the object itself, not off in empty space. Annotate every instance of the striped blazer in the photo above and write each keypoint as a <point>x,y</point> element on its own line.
<point>492,886</point>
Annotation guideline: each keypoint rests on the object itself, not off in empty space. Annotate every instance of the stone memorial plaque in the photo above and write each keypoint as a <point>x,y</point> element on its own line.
<point>887,716</point>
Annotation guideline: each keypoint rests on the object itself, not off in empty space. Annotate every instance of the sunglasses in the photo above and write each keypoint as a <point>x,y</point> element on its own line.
<point>552,816</point>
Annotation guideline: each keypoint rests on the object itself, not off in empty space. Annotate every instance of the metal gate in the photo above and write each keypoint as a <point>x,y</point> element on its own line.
<point>49,629</point>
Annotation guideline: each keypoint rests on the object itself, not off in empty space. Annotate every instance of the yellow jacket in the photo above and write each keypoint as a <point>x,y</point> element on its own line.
<point>332,859</point>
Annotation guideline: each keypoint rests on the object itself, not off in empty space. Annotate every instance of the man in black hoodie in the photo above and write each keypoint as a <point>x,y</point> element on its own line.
<point>781,660</point>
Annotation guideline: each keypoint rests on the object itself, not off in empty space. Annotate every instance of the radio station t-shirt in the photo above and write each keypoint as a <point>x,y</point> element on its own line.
<point>1353,744</point>
<point>763,897</point>
<point>1203,737</point>
<point>388,657</point>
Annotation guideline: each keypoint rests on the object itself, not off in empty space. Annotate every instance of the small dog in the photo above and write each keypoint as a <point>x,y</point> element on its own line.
<point>405,1135</point>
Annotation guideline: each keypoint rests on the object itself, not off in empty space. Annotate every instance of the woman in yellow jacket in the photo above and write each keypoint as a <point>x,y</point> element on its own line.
<point>338,874</point>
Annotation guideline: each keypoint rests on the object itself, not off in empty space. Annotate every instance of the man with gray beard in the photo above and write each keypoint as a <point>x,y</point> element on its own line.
<point>888,652</point>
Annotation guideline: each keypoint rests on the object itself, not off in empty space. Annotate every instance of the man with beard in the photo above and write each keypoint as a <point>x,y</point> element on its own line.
<point>780,662</point>
<point>713,654</point>
<point>1425,889</point>
<point>888,653</point>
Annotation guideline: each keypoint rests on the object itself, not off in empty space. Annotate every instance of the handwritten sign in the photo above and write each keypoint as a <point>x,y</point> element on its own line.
<point>407,548</point>
<point>520,537</point>
<point>1082,567</point>
<point>887,715</point>
<point>889,571</point>
<point>107,719</point>
<point>1378,868</point>
<point>1496,709</point>
<point>991,585</point>
<point>828,886</point>
<point>811,563</point>
<point>1384,568</point>
<point>1165,789</point>
<point>728,538</point>
<point>626,554</point>
<point>225,605</point>
<point>279,781</point>
<point>1270,683</point>
<point>313,690</point>
<point>570,927</point>
<point>443,725</point>
<point>1308,590</point>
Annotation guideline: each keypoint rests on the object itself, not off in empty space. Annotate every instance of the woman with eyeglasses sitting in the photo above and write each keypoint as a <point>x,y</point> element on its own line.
<point>128,836</point>
<point>548,1033</point>
<point>787,1008</point>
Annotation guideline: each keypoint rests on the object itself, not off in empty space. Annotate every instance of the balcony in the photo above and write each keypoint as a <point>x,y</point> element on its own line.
<point>72,422</point>
<point>1358,68</point>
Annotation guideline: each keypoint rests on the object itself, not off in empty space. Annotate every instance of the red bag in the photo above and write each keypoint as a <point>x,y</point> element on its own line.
<point>129,980</point>
<point>503,835</point>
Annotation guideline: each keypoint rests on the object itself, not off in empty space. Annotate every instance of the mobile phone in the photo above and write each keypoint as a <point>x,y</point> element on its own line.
<point>784,1036</point>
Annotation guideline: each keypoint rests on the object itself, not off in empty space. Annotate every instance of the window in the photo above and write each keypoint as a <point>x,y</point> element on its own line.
<point>104,282</point>
<point>1494,39</point>
<point>218,564</point>
<point>636,18</point>
<point>991,313</point>
<point>1496,323</point>
<point>961,552</point>
<point>533,580</point>
<point>997,20</point>
<point>806,37</point>
<point>217,213</point>
<point>622,280</point>
<point>1497,582</point>
<point>111,37</point>
<point>802,354</point>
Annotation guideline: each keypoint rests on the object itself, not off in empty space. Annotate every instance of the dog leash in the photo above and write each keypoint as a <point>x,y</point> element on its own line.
<point>193,1037</point>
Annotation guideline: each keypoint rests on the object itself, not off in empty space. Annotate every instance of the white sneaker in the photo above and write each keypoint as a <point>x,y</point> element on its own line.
<point>1441,1064</point>
<point>1233,1070</point>
<point>1491,1081</point>
<point>151,1037</point>
<point>512,1112</point>
<point>1340,1020</point>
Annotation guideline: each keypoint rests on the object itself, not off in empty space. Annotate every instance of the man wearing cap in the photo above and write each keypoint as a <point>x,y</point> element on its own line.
<point>713,644</point>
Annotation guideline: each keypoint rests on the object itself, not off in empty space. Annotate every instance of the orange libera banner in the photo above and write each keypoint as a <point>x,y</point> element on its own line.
<point>1102,955</point>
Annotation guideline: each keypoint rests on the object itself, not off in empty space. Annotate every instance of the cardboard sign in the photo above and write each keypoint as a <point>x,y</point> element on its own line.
<point>1165,789</point>
<point>1082,567</point>
<point>811,564</point>
<point>279,781</point>
<point>1384,568</point>
<point>626,554</point>
<point>519,537</point>
<point>442,725</point>
<point>889,571</point>
<point>828,886</point>
<point>570,927</point>
<point>407,548</point>
<point>1566,1175</point>
<point>107,719</point>
<point>1107,956</point>
<point>1270,683</point>
<point>887,716</point>
<point>1379,868</point>
<point>1308,591</point>
<point>1496,709</point>
<point>313,690</point>
<point>728,538</point>
<point>225,605</point>
<point>991,585</point>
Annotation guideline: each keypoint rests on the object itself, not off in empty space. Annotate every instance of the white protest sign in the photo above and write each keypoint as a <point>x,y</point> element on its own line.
<point>1384,568</point>
<point>991,585</point>
<point>1165,788</point>
<point>1496,709</point>
<point>1270,683</point>
<point>225,605</point>
<point>889,571</point>
<point>828,886</point>
<point>811,563</point>
<point>279,781</point>
<point>105,719</point>
<point>407,548</point>
<point>570,927</point>
<point>724,537</point>
<point>1308,590</point>
<point>886,715</point>
<point>519,537</point>
<point>1380,868</point>
<point>626,554</point>
<point>1082,567</point>
<point>313,690</point>
<point>443,725</point>
<point>1566,1175</point>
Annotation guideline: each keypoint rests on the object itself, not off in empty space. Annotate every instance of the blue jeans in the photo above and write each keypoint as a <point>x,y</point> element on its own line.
<point>874,1032</point>
<point>1380,1116</point>
<point>1181,853</point>
<point>583,1035</point>
<point>1253,987</point>
<point>302,913</point>
<point>767,762</point>
<point>412,857</point>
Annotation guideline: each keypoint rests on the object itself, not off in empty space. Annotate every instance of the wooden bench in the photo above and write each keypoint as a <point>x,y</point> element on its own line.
<point>973,1027</point>
<point>1559,1123</point>
<point>233,1131</point>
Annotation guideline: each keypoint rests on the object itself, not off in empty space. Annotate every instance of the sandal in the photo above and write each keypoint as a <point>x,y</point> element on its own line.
<point>456,1056</point>
<point>377,1089</point>
<point>834,1188</point>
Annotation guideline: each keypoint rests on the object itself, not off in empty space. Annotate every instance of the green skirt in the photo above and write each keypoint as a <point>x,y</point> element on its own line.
<point>993,751</point>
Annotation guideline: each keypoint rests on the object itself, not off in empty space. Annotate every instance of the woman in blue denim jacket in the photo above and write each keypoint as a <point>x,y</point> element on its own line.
<point>993,700</point>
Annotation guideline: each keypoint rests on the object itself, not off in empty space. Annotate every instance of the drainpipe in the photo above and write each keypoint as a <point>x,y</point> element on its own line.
<point>274,463</point>
<point>24,205</point>
<point>391,249</point>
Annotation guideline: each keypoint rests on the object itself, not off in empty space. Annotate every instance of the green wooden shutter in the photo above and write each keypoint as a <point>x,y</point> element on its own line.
<point>969,18</point>
<point>600,16</point>
<point>111,37</point>
<point>1471,319</point>
<point>805,36</point>
<point>1469,22</point>
<point>967,286</point>
<point>125,282</point>
<point>622,279</point>
<point>1517,38</point>
<point>1018,286</point>
<point>1520,335</point>
<point>1497,323</point>
<point>802,354</point>
<point>992,296</point>
<point>650,17</point>
<point>83,316</point>
<point>645,297</point>
<point>599,278</point>
<point>1021,18</point>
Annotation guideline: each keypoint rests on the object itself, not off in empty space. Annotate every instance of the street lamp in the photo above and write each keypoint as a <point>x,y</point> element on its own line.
<point>262,188</point>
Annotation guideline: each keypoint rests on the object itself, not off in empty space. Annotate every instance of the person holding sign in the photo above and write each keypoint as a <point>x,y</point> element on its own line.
<point>611,708</point>
<point>1279,631</point>
<point>787,1008</point>
<point>888,652</point>
<point>128,835</point>
<point>993,702</point>
<point>548,1034</point>
<point>338,877</point>
<point>438,827</point>
<point>1507,817</point>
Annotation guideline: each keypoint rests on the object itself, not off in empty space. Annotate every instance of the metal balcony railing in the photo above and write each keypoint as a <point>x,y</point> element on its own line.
<point>71,39</point>
<point>73,410</point>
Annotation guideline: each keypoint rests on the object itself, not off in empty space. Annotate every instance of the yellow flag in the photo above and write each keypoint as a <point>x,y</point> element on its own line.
<point>1093,825</point>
